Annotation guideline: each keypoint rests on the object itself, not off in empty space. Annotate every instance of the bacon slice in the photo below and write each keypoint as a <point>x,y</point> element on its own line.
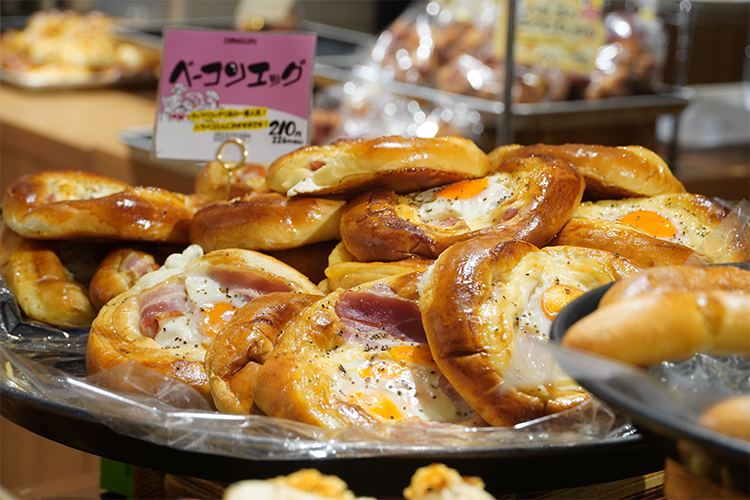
<point>376,319</point>
<point>160,303</point>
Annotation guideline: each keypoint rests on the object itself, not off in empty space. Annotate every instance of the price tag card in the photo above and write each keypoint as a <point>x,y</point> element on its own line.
<point>218,86</point>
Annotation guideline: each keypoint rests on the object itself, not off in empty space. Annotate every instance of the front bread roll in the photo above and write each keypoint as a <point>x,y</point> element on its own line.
<point>359,357</point>
<point>484,304</point>
<point>665,229</point>
<point>169,317</point>
<point>241,348</point>
<point>670,323</point>
<point>609,171</point>
<point>730,416</point>
<point>44,288</point>
<point>73,204</point>
<point>347,168</point>
<point>528,198</point>
<point>266,221</point>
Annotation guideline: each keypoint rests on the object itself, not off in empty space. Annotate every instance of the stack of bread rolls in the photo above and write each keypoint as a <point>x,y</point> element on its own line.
<point>381,281</point>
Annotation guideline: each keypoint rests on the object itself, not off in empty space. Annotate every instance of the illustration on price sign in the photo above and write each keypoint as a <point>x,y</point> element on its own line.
<point>217,86</point>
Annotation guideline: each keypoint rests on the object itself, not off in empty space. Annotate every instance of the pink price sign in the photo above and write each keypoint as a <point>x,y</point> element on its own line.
<point>219,86</point>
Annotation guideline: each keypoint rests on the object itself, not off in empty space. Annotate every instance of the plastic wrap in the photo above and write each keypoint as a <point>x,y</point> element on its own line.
<point>49,364</point>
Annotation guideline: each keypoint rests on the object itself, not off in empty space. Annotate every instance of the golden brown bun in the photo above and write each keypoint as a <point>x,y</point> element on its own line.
<point>44,288</point>
<point>73,204</point>
<point>696,310</point>
<point>234,357</point>
<point>730,416</point>
<point>483,303</point>
<point>609,171</point>
<point>266,221</point>
<point>358,357</point>
<point>437,482</point>
<point>118,272</point>
<point>212,179</point>
<point>383,226</point>
<point>351,274</point>
<point>658,230</point>
<point>165,321</point>
<point>347,168</point>
<point>681,278</point>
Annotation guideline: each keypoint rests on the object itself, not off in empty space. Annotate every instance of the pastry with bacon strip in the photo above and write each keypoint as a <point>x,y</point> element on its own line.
<point>359,357</point>
<point>486,303</point>
<point>349,167</point>
<point>169,317</point>
<point>528,198</point>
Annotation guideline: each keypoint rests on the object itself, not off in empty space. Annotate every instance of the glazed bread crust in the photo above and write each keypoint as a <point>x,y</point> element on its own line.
<point>212,179</point>
<point>669,314</point>
<point>383,226</point>
<point>266,221</point>
<point>474,303</point>
<point>348,168</point>
<point>85,205</point>
<point>44,288</point>
<point>119,271</point>
<point>238,352</point>
<point>610,171</point>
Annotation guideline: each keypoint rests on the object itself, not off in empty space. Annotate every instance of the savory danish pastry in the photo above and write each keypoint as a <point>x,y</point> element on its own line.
<point>117,272</point>
<point>484,303</point>
<point>528,198</point>
<point>358,356</point>
<point>170,316</point>
<point>610,171</point>
<point>348,168</point>
<point>73,204</point>
<point>658,230</point>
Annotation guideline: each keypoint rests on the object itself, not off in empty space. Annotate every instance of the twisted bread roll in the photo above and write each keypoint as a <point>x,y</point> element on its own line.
<point>483,302</point>
<point>669,315</point>
<point>169,317</point>
<point>610,172</point>
<point>73,204</point>
<point>266,221</point>
<point>238,352</point>
<point>528,198</point>
<point>347,168</point>
<point>45,289</point>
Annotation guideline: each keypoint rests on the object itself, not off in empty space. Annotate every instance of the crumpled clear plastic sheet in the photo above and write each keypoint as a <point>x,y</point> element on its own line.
<point>49,364</point>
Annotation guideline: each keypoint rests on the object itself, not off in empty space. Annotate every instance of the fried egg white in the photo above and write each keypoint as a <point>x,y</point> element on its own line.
<point>209,308</point>
<point>396,384</point>
<point>527,301</point>
<point>674,217</point>
<point>472,200</point>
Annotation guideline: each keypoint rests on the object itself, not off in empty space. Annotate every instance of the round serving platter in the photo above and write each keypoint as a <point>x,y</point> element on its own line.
<point>657,413</point>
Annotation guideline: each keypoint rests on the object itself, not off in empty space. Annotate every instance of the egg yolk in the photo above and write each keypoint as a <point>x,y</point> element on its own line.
<point>215,316</point>
<point>463,190</point>
<point>383,369</point>
<point>556,297</point>
<point>650,222</point>
<point>376,404</point>
<point>419,354</point>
